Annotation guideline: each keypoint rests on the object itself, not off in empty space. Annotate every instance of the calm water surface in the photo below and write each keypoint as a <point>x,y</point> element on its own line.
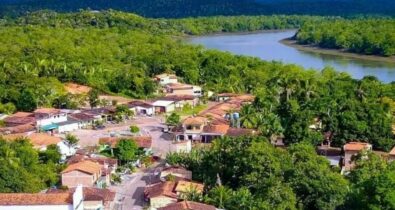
<point>266,46</point>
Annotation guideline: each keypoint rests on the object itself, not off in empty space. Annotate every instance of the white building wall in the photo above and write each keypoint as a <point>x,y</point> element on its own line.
<point>170,107</point>
<point>38,207</point>
<point>53,119</point>
<point>68,127</point>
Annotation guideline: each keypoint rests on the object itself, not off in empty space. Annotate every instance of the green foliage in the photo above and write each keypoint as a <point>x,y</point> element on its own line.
<point>93,97</point>
<point>364,36</point>
<point>7,108</point>
<point>51,154</point>
<point>264,177</point>
<point>21,170</point>
<point>173,119</point>
<point>71,140</point>
<point>126,150</point>
<point>134,129</point>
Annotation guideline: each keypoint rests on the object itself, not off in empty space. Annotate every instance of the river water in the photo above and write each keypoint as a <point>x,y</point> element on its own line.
<point>267,46</point>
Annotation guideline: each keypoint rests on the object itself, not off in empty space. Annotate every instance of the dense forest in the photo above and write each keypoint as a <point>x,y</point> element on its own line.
<point>119,53</point>
<point>250,173</point>
<point>364,36</point>
<point>194,8</point>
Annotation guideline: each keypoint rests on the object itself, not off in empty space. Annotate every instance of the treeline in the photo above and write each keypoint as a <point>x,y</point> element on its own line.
<point>193,8</point>
<point>37,57</point>
<point>25,169</point>
<point>249,173</point>
<point>364,36</point>
<point>191,26</point>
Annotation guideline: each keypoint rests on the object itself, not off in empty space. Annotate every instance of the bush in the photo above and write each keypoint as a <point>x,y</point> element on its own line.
<point>134,129</point>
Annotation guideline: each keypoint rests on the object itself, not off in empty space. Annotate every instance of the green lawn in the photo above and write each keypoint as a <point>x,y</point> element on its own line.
<point>188,111</point>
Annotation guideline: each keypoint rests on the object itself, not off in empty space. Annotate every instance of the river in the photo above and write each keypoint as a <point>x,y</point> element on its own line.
<point>267,46</point>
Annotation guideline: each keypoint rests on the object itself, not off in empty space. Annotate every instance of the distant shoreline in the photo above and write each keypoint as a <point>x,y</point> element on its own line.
<point>309,48</point>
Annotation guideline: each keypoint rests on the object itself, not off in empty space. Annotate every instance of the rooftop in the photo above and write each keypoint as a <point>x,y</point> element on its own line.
<point>15,199</point>
<point>216,129</point>
<point>162,103</point>
<point>90,193</point>
<point>84,166</point>
<point>20,118</point>
<point>47,111</point>
<point>356,146</point>
<point>164,75</point>
<point>140,104</point>
<point>37,139</point>
<point>179,86</point>
<point>237,132</point>
<point>188,205</point>
<point>194,121</point>
<point>161,189</point>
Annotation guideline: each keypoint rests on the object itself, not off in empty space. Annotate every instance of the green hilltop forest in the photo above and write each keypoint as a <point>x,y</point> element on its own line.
<point>372,37</point>
<point>118,53</point>
<point>196,8</point>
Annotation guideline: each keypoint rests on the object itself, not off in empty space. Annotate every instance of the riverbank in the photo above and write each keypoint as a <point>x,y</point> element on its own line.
<point>310,48</point>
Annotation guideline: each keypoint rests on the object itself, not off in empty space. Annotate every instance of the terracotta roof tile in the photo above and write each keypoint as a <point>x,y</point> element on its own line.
<point>194,121</point>
<point>84,166</point>
<point>18,129</point>
<point>161,189</point>
<point>15,199</point>
<point>237,132</point>
<point>47,111</point>
<point>356,146</point>
<point>140,104</point>
<point>20,118</point>
<point>37,139</point>
<point>188,205</point>
<point>217,129</point>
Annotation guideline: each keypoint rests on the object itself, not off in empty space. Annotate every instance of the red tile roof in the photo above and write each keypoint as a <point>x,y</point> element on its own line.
<point>237,132</point>
<point>37,139</point>
<point>47,111</point>
<point>186,186</point>
<point>90,193</point>
<point>161,189</point>
<point>84,166</point>
<point>16,199</point>
<point>188,205</point>
<point>194,121</point>
<point>140,104</point>
<point>217,129</point>
<point>356,146</point>
<point>20,118</point>
<point>18,129</point>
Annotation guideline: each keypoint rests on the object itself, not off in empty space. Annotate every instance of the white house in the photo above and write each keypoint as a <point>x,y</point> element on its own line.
<point>141,108</point>
<point>48,116</point>
<point>162,106</point>
<point>42,201</point>
<point>164,79</point>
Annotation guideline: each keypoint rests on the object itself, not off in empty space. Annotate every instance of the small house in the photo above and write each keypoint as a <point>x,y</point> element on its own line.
<point>164,106</point>
<point>141,108</point>
<point>164,79</point>
<point>352,149</point>
<point>85,173</point>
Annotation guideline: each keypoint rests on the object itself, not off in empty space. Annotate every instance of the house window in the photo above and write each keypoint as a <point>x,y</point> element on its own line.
<point>190,137</point>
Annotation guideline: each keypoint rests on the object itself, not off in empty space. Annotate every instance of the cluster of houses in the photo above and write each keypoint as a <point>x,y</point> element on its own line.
<point>172,190</point>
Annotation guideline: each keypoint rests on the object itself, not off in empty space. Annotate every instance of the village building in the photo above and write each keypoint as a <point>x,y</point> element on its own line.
<point>103,114</point>
<point>164,193</point>
<point>182,146</point>
<point>164,79</point>
<point>352,149</point>
<point>93,198</point>
<point>181,100</point>
<point>178,172</point>
<point>19,118</point>
<point>222,97</point>
<point>188,205</point>
<point>183,89</point>
<point>142,108</point>
<point>85,173</point>
<point>43,201</point>
<point>164,106</point>
<point>41,141</point>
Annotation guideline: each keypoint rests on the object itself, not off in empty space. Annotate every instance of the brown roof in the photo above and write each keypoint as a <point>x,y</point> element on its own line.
<point>37,139</point>
<point>236,132</point>
<point>82,116</point>
<point>47,111</point>
<point>15,199</point>
<point>186,174</point>
<point>186,186</point>
<point>194,121</point>
<point>84,166</point>
<point>141,141</point>
<point>161,189</point>
<point>90,193</point>
<point>18,129</point>
<point>20,118</point>
<point>74,88</point>
<point>356,146</point>
<point>188,205</point>
<point>171,97</point>
<point>159,76</point>
<point>139,103</point>
<point>218,129</point>
<point>101,160</point>
<point>227,94</point>
<point>179,86</point>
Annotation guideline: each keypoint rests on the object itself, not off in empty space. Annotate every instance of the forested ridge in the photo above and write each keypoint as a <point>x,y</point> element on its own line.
<point>365,36</point>
<point>194,8</point>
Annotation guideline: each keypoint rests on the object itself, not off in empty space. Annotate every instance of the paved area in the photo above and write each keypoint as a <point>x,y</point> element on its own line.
<point>130,194</point>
